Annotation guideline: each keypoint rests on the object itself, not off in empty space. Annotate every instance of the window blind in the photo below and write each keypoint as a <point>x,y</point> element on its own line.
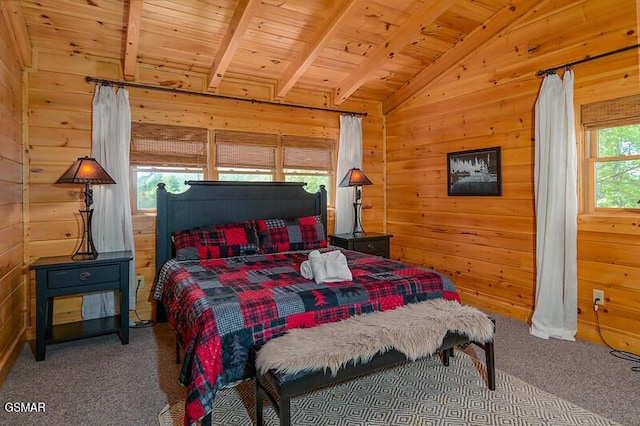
<point>164,145</point>
<point>246,149</point>
<point>307,153</point>
<point>611,113</point>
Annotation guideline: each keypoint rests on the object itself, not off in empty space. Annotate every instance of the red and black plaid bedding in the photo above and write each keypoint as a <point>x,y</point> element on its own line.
<point>221,308</point>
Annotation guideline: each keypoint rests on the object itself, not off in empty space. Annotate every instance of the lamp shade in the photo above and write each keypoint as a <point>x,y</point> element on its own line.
<point>355,177</point>
<point>86,170</point>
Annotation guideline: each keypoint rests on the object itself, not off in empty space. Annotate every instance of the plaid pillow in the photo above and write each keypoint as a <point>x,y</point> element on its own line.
<point>233,239</point>
<point>303,233</point>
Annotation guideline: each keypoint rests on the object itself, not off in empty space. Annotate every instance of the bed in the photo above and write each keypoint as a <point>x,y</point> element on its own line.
<point>222,308</point>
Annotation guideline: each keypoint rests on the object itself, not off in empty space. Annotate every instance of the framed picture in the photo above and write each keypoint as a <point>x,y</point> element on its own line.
<point>474,172</point>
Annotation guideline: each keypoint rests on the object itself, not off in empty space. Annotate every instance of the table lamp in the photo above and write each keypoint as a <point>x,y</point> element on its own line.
<point>356,178</point>
<point>86,171</point>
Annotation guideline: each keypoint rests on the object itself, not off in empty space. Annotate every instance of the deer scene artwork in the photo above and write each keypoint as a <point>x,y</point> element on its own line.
<point>475,172</point>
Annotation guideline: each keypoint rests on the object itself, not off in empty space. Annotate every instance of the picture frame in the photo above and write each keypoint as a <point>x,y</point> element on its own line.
<point>474,173</point>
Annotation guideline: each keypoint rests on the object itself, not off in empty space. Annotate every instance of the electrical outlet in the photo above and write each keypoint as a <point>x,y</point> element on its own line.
<point>599,295</point>
<point>139,281</point>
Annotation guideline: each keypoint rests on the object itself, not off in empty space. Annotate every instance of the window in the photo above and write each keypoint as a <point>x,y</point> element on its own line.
<point>247,156</point>
<point>175,154</point>
<point>168,154</point>
<point>615,166</point>
<point>613,153</point>
<point>145,183</point>
<point>308,160</point>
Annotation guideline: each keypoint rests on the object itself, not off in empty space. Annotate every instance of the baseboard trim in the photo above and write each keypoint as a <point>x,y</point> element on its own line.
<point>9,360</point>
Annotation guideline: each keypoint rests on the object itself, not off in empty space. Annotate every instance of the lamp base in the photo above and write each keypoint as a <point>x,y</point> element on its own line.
<point>84,256</point>
<point>357,226</point>
<point>86,250</point>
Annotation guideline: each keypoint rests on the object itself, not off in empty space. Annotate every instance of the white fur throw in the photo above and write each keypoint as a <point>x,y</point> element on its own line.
<point>417,330</point>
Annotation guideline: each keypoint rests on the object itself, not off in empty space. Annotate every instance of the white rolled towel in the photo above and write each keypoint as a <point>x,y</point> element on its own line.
<point>317,266</point>
<point>336,266</point>
<point>329,267</point>
<point>305,270</point>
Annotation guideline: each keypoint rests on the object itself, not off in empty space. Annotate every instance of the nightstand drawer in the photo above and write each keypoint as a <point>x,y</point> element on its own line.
<point>369,243</point>
<point>83,276</point>
<point>375,247</point>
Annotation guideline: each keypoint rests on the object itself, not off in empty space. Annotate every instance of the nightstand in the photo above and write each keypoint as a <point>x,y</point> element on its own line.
<point>369,242</point>
<point>61,276</point>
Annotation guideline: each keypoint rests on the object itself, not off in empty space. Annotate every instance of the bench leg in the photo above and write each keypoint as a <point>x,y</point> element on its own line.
<point>259,402</point>
<point>285,411</point>
<point>206,420</point>
<point>490,362</point>
<point>283,408</point>
<point>445,357</point>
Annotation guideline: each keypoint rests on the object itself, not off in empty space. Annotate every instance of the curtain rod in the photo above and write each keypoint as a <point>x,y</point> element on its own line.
<point>105,82</point>
<point>570,64</point>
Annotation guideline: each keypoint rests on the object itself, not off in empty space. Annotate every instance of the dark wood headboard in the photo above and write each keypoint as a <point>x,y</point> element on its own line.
<point>208,203</point>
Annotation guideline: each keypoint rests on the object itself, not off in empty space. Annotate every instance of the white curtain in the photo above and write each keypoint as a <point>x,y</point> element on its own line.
<point>555,176</point>
<point>112,226</point>
<point>349,156</point>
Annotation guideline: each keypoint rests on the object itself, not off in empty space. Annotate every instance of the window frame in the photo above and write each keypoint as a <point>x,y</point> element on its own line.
<point>243,171</point>
<point>165,147</point>
<point>280,144</point>
<point>211,170</point>
<point>305,172</point>
<point>592,160</point>
<point>134,169</point>
<point>595,116</point>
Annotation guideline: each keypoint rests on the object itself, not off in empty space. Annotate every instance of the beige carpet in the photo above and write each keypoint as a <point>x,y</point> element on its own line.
<point>419,393</point>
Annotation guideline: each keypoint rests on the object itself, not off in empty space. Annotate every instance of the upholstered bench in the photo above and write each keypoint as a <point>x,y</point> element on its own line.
<point>278,383</point>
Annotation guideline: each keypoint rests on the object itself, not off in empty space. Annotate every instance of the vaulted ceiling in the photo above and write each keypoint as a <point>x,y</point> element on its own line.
<point>377,50</point>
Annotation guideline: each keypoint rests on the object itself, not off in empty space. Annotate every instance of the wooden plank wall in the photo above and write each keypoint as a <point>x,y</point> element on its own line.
<point>60,131</point>
<point>486,244</point>
<point>13,293</point>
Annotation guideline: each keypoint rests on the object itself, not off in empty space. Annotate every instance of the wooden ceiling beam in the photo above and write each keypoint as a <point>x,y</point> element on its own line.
<point>130,62</point>
<point>242,16</point>
<point>338,15</point>
<point>17,26</point>
<point>506,16</point>
<point>407,32</point>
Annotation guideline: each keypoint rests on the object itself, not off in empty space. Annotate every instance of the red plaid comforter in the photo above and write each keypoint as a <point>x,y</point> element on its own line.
<point>221,308</point>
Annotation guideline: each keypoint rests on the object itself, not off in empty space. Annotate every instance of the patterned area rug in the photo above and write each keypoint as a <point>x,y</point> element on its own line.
<point>419,393</point>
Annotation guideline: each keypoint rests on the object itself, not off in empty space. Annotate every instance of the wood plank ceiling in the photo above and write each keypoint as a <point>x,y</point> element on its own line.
<point>377,50</point>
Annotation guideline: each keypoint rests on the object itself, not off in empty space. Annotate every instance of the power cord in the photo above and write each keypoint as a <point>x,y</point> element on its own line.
<point>140,323</point>
<point>628,356</point>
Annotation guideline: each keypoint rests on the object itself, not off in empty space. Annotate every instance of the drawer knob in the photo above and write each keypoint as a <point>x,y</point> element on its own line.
<point>370,246</point>
<point>85,276</point>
